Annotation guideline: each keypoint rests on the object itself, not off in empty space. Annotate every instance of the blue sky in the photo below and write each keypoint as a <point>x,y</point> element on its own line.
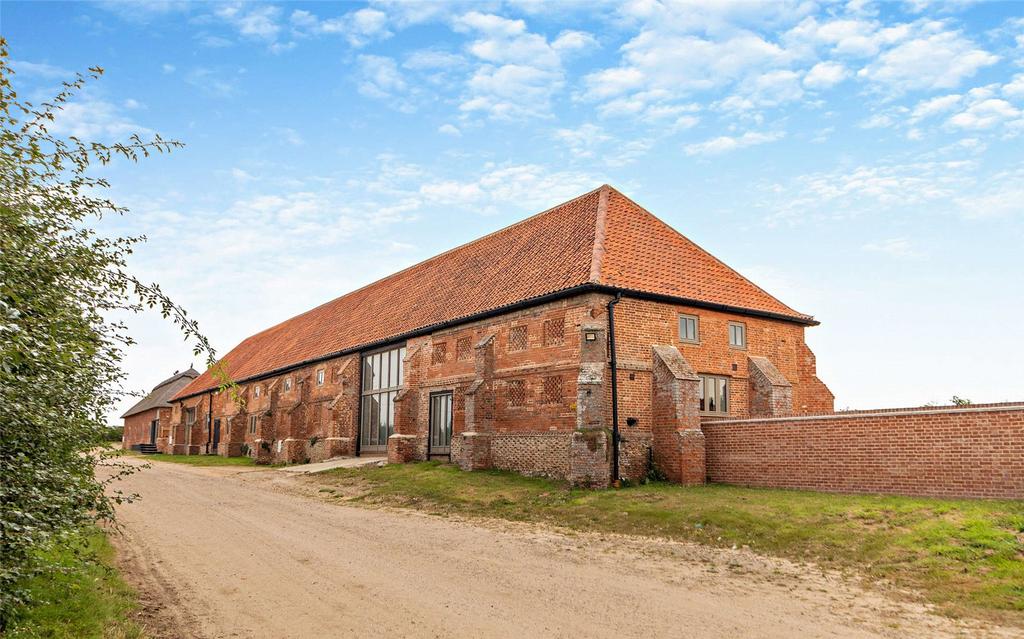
<point>863,162</point>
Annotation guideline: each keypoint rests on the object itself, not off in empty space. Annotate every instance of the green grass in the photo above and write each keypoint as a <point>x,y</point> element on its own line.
<point>966,556</point>
<point>197,460</point>
<point>88,601</point>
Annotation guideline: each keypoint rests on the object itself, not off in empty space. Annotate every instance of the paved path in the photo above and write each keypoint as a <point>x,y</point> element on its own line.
<point>218,552</point>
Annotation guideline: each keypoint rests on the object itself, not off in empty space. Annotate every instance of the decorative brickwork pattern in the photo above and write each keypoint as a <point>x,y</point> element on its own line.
<point>554,332</point>
<point>463,349</point>
<point>439,353</point>
<point>515,392</point>
<point>942,452</point>
<point>551,390</point>
<point>533,454</point>
<point>518,338</point>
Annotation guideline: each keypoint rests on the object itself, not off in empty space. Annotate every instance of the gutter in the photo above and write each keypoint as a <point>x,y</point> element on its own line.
<point>589,287</point>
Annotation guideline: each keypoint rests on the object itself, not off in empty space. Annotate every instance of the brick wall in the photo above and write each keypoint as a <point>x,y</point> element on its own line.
<point>136,428</point>
<point>535,454</point>
<point>973,451</point>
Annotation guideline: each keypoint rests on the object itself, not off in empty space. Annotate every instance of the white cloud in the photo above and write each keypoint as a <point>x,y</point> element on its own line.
<point>359,28</point>
<point>899,248</point>
<point>259,22</point>
<point>583,140</point>
<point>725,143</point>
<point>167,68</point>
<point>95,120</point>
<point>39,69</point>
<point>1015,87</point>
<point>518,72</point>
<point>934,106</point>
<point>289,136</point>
<point>241,175</point>
<point>449,129</point>
<point>215,82</point>
<point>932,60</point>
<point>379,77</point>
<point>531,186</point>
<point>825,75</point>
<point>985,114</point>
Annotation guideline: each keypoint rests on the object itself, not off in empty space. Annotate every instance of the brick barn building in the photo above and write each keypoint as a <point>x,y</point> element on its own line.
<point>148,422</point>
<point>527,349</point>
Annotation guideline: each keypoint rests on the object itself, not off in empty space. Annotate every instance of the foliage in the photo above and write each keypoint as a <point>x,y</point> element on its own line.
<point>959,401</point>
<point>60,281</point>
<point>87,599</point>
<point>967,556</point>
<point>113,434</point>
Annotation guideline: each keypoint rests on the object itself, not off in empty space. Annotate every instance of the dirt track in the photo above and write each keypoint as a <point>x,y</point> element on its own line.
<point>216,552</point>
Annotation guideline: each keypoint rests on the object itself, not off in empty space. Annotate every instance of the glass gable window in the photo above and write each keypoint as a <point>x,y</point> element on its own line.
<point>689,329</point>
<point>714,395</point>
<point>382,379</point>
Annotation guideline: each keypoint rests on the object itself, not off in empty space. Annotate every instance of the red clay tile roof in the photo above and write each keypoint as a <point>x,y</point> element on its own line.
<point>601,238</point>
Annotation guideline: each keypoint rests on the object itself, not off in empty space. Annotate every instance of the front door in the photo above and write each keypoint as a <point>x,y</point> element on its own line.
<point>152,430</point>
<point>216,434</point>
<point>441,423</point>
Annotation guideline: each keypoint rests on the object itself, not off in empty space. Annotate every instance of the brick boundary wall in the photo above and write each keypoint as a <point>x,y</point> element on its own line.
<point>974,451</point>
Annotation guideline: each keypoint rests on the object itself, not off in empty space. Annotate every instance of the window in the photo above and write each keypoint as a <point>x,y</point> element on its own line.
<point>714,395</point>
<point>382,380</point>
<point>287,384</point>
<point>253,419</point>
<point>320,377</point>
<point>463,349</point>
<point>190,416</point>
<point>256,391</point>
<point>517,338</point>
<point>552,393</point>
<point>737,335</point>
<point>515,392</point>
<point>554,332</point>
<point>439,353</point>
<point>689,329</point>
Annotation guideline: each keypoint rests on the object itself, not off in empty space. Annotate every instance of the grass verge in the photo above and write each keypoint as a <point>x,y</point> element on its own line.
<point>965,556</point>
<point>196,460</point>
<point>88,601</point>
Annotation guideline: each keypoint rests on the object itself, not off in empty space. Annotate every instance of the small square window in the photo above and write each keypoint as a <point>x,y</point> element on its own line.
<point>287,384</point>
<point>737,335</point>
<point>689,329</point>
<point>517,338</point>
<point>554,332</point>
<point>320,377</point>
<point>440,353</point>
<point>463,349</point>
<point>516,392</point>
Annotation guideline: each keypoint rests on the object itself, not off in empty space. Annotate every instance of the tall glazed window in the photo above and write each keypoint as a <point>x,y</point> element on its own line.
<point>382,379</point>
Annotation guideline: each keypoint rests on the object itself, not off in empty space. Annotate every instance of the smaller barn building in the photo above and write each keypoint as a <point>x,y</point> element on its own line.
<point>147,424</point>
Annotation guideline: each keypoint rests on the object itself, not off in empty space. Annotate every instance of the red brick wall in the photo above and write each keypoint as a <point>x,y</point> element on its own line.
<point>136,428</point>
<point>942,452</point>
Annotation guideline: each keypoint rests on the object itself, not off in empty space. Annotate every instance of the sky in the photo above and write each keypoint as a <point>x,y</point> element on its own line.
<point>863,162</point>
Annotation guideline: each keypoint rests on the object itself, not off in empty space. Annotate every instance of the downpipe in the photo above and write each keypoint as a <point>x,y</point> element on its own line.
<point>615,390</point>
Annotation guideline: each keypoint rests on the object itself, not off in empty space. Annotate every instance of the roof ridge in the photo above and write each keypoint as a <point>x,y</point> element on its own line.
<point>706,252</point>
<point>432,258</point>
<point>600,233</point>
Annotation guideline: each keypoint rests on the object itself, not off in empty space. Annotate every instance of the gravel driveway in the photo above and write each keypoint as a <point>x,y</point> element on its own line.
<point>219,552</point>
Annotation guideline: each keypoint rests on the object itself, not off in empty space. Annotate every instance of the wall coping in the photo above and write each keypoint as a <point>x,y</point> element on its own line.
<point>884,412</point>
